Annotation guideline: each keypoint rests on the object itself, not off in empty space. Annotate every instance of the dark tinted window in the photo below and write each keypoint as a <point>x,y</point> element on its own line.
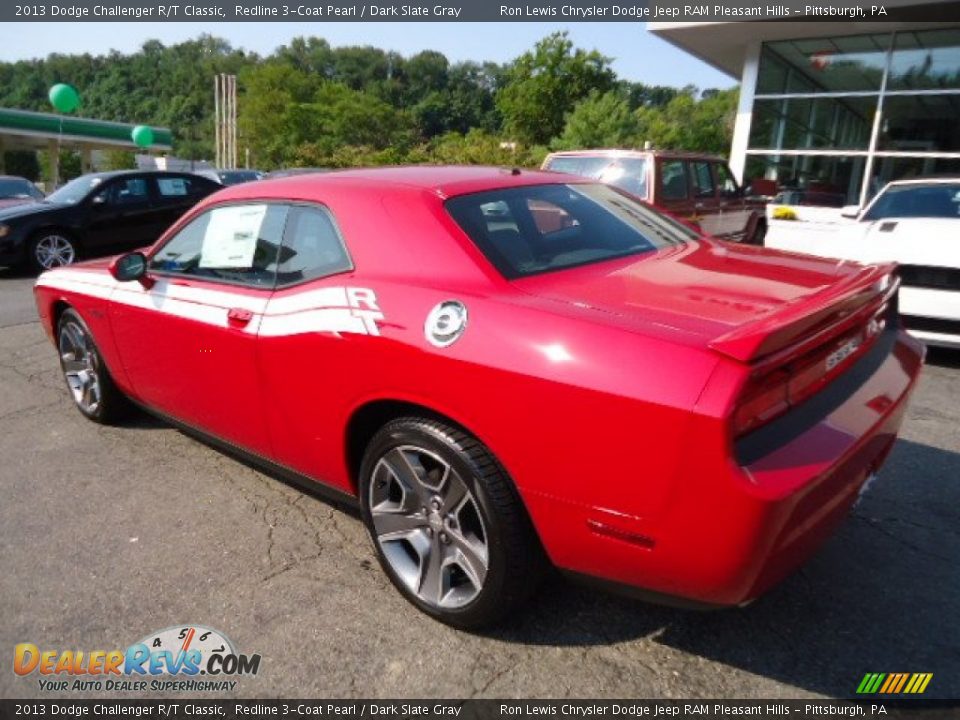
<point>934,201</point>
<point>312,247</point>
<point>673,178</point>
<point>234,243</point>
<point>540,228</point>
<point>128,191</point>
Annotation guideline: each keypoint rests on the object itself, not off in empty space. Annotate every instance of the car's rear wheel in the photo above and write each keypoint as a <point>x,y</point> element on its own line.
<point>50,249</point>
<point>447,524</point>
<point>90,384</point>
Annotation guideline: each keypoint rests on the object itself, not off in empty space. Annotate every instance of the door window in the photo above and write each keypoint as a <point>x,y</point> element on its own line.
<point>233,243</point>
<point>673,174</point>
<point>127,192</point>
<point>312,247</point>
<point>703,180</point>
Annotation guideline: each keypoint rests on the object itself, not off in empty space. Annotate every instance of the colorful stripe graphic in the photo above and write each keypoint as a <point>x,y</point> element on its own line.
<point>894,683</point>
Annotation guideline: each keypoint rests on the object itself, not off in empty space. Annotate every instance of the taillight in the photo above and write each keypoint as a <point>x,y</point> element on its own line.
<point>762,400</point>
<point>771,393</point>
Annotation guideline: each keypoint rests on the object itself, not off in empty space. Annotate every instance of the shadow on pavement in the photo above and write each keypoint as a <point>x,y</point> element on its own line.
<point>882,596</point>
<point>943,357</point>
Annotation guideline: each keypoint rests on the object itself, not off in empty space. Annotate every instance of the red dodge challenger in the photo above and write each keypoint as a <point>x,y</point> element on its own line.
<point>507,370</point>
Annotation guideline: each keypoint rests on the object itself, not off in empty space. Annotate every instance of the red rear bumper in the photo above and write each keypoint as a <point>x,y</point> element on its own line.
<point>732,530</point>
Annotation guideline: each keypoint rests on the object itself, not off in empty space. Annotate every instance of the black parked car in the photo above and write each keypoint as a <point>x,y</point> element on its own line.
<point>97,214</point>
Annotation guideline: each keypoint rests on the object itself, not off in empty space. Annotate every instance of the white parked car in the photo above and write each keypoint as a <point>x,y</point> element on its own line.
<point>913,222</point>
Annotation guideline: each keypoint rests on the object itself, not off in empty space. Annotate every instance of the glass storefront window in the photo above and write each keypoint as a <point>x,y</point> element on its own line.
<point>828,91</point>
<point>824,180</point>
<point>921,123</point>
<point>820,123</point>
<point>886,169</point>
<point>925,60</point>
<point>845,64</point>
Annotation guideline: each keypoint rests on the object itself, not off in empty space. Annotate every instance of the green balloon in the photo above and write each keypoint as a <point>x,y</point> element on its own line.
<point>142,135</point>
<point>64,97</point>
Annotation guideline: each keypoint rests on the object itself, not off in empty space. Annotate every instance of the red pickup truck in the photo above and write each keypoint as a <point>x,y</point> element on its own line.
<point>697,188</point>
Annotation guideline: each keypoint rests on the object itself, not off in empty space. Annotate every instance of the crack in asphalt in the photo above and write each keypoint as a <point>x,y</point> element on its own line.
<point>875,524</point>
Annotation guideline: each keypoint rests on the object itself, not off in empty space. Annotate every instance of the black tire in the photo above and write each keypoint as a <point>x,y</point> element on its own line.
<point>515,559</point>
<point>112,405</point>
<point>38,261</point>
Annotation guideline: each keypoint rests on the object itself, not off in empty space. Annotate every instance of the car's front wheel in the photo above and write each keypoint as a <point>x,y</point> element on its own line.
<point>90,384</point>
<point>50,249</point>
<point>447,524</point>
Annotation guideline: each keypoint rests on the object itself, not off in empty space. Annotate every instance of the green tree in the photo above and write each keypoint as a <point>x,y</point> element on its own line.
<point>686,123</point>
<point>599,121</point>
<point>543,85</point>
<point>23,163</point>
<point>119,160</point>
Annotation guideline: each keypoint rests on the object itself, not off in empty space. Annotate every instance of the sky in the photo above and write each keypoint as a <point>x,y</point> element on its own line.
<point>638,55</point>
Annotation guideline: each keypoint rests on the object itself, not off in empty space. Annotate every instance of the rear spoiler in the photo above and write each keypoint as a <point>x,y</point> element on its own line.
<point>812,320</point>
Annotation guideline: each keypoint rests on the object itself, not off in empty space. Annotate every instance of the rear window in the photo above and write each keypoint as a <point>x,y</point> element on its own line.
<point>540,228</point>
<point>626,173</point>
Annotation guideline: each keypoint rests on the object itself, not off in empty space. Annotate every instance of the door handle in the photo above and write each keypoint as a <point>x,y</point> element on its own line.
<point>238,317</point>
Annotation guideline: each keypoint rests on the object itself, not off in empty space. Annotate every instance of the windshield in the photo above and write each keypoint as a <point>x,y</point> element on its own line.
<point>626,173</point>
<point>18,188</point>
<point>540,228</point>
<point>75,190</point>
<point>940,200</point>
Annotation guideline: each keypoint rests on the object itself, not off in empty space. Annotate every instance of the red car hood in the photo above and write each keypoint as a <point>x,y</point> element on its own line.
<point>730,297</point>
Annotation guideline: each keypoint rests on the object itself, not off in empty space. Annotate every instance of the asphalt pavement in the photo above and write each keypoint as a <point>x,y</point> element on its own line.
<point>111,533</point>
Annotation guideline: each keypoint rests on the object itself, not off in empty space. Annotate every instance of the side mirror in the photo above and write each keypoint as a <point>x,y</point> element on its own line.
<point>850,211</point>
<point>132,266</point>
<point>99,199</point>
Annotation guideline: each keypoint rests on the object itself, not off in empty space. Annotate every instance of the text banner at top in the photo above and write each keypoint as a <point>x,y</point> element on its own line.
<point>469,11</point>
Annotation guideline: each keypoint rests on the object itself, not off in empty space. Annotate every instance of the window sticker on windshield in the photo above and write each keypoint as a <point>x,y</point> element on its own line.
<point>231,237</point>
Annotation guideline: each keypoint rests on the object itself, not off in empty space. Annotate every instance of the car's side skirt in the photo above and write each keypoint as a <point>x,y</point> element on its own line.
<point>307,484</point>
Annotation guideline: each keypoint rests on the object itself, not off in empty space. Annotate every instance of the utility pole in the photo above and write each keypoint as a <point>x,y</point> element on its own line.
<point>225,123</point>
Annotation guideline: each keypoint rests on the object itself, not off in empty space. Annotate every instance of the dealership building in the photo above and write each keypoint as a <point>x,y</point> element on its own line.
<point>833,110</point>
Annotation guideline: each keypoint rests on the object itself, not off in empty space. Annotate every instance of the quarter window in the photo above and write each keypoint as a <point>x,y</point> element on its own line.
<point>233,243</point>
<point>173,186</point>
<point>312,247</point>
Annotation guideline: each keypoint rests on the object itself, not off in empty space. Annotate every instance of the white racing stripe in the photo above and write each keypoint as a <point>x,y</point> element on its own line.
<point>330,309</point>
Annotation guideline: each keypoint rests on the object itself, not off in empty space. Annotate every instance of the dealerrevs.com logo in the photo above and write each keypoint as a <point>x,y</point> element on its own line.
<point>183,657</point>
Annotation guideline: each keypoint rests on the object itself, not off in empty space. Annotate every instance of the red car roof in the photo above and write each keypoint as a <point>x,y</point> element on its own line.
<point>444,180</point>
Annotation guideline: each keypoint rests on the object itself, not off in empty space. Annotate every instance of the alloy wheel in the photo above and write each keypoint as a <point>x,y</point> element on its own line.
<point>428,526</point>
<point>81,366</point>
<point>54,251</point>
